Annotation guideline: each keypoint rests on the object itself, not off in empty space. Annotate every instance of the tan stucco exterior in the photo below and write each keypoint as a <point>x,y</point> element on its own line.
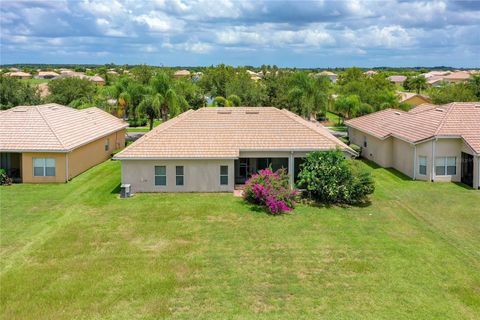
<point>89,155</point>
<point>199,175</point>
<point>404,156</point>
<point>27,167</point>
<point>77,161</point>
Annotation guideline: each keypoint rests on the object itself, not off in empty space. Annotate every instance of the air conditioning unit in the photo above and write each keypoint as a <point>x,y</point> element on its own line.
<point>125,190</point>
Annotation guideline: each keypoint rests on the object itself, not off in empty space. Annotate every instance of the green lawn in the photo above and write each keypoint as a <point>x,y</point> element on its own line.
<point>156,122</point>
<point>78,251</point>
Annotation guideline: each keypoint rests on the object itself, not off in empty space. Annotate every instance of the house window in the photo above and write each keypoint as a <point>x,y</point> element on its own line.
<point>107,144</point>
<point>422,165</point>
<point>365,141</point>
<point>446,166</point>
<point>43,167</point>
<point>179,175</point>
<point>223,175</point>
<point>160,175</point>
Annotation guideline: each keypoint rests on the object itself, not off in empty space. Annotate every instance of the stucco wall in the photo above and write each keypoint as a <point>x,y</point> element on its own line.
<point>402,156</point>
<point>199,175</point>
<point>89,155</point>
<point>27,167</point>
<point>79,160</point>
<point>424,150</point>
<point>378,151</point>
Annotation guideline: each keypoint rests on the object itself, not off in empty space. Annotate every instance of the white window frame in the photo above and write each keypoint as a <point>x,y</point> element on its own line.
<point>44,166</point>
<point>445,166</point>
<point>159,175</point>
<point>420,165</point>
<point>180,175</point>
<point>223,175</point>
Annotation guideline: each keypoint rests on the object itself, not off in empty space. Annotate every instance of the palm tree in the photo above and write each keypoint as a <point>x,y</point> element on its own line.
<point>309,95</point>
<point>150,106</point>
<point>418,83</point>
<point>170,103</point>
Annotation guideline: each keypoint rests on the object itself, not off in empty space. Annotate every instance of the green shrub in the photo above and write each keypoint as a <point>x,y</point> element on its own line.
<point>4,179</point>
<point>329,178</point>
<point>140,122</point>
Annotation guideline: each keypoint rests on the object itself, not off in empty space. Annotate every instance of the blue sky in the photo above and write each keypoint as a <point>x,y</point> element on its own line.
<point>285,33</point>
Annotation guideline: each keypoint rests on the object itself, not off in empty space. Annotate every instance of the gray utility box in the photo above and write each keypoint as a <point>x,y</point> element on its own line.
<point>125,190</point>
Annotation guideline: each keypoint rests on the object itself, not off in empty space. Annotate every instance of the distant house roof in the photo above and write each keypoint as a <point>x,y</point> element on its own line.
<point>182,73</point>
<point>96,78</point>
<point>457,119</point>
<point>47,74</point>
<point>327,73</point>
<point>20,74</point>
<point>370,72</point>
<point>397,79</point>
<point>457,75</point>
<point>53,127</point>
<point>225,132</point>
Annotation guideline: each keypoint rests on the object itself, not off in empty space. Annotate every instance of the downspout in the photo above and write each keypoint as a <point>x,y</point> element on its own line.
<point>66,171</point>
<point>414,162</point>
<point>434,142</point>
<point>291,169</point>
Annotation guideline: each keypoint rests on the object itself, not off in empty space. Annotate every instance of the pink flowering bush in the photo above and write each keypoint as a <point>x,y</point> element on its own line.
<point>270,190</point>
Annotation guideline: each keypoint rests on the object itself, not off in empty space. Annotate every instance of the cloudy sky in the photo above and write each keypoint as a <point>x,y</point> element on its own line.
<point>285,33</point>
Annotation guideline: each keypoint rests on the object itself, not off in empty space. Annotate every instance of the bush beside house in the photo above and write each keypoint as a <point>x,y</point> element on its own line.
<point>270,190</point>
<point>329,178</point>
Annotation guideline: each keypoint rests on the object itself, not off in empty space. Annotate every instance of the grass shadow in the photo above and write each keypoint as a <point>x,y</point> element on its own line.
<point>398,174</point>
<point>370,163</point>
<point>463,185</point>
<point>116,190</point>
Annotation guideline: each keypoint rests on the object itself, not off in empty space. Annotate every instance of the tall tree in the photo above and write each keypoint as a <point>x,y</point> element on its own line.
<point>14,92</point>
<point>417,83</point>
<point>308,96</point>
<point>150,106</point>
<point>171,104</point>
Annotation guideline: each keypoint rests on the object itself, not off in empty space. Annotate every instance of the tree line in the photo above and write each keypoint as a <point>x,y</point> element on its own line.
<point>147,93</point>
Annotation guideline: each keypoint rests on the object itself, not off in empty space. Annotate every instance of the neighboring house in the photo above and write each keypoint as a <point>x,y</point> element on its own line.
<point>182,74</point>
<point>370,73</point>
<point>429,142</point>
<point>214,149</point>
<point>255,76</point>
<point>47,75</point>
<point>97,80</point>
<point>437,78</point>
<point>332,76</point>
<point>412,98</point>
<point>19,75</point>
<point>397,79</point>
<point>54,143</point>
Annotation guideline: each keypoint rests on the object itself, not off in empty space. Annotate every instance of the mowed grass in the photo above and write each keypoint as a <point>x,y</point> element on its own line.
<point>78,251</point>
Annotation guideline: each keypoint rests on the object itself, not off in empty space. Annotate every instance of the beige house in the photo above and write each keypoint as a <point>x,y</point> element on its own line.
<point>429,142</point>
<point>214,149</point>
<point>47,75</point>
<point>397,79</point>
<point>19,75</point>
<point>412,98</point>
<point>54,143</point>
<point>182,74</point>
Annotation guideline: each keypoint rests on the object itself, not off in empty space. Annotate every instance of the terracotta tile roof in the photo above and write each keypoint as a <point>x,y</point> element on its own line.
<point>53,127</point>
<point>225,132</point>
<point>425,121</point>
